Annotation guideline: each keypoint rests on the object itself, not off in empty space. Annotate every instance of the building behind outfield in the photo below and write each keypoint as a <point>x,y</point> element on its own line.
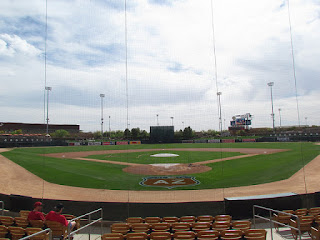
<point>33,128</point>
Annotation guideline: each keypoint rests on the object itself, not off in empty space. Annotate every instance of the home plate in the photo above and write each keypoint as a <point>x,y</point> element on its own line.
<point>164,155</point>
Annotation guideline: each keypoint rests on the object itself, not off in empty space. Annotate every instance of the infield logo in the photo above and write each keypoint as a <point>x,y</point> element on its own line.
<point>169,182</point>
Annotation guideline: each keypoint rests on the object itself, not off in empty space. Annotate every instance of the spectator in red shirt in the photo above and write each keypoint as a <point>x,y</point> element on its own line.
<point>56,216</point>
<point>36,213</point>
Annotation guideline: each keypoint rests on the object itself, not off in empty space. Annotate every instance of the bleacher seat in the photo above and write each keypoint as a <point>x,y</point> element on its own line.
<point>36,223</point>
<point>42,236</point>
<point>222,218</point>
<point>58,230</point>
<point>152,220</point>
<point>160,236</point>
<point>190,219</point>
<point>134,220</point>
<point>161,227</point>
<point>205,218</point>
<point>208,235</point>
<point>16,232</point>
<point>231,234</point>
<point>170,219</point>
<point>122,228</point>
<point>112,236</point>
<point>3,231</point>
<point>241,225</point>
<point>181,226</point>
<point>24,213</point>
<point>201,226</point>
<point>136,236</point>
<point>140,227</point>
<point>6,220</point>
<point>255,234</point>
<point>221,226</point>
<point>185,235</point>
<point>21,222</point>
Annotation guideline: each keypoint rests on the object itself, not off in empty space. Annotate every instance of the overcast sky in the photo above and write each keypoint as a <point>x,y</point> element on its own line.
<point>170,61</point>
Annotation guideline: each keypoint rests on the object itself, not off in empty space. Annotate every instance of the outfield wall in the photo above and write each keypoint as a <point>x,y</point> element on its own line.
<point>239,209</point>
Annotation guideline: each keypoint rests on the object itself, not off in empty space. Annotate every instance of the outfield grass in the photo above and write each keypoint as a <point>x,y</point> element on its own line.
<point>145,158</point>
<point>240,172</point>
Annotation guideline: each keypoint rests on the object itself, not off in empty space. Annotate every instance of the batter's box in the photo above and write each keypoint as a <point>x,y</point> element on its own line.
<point>169,182</point>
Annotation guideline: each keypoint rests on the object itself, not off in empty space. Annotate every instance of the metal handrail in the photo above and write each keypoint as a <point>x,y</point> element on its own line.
<point>87,225</point>
<point>2,207</point>
<point>38,233</point>
<point>270,210</point>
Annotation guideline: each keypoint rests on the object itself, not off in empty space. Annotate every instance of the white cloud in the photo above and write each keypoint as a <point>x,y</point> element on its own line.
<point>170,61</point>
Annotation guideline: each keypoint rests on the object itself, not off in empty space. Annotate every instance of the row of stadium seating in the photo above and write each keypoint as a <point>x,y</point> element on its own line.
<point>15,233</point>
<point>125,228</point>
<point>251,234</point>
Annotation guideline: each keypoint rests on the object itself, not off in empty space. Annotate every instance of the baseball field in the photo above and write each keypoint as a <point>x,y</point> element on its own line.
<point>124,167</point>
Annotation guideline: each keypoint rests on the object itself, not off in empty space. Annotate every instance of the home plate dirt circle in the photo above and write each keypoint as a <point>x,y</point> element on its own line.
<point>167,169</point>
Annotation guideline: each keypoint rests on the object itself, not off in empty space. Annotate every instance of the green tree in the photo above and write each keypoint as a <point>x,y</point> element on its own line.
<point>144,135</point>
<point>188,133</point>
<point>61,133</point>
<point>178,135</point>
<point>18,131</point>
<point>127,133</point>
<point>97,135</point>
<point>135,133</point>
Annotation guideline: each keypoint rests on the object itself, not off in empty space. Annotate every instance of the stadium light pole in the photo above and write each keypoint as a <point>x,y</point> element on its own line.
<point>109,128</point>
<point>270,84</point>
<point>157,119</point>
<point>183,125</point>
<point>306,118</point>
<point>280,116</point>
<point>102,96</point>
<point>219,104</point>
<point>48,89</point>
<point>171,121</point>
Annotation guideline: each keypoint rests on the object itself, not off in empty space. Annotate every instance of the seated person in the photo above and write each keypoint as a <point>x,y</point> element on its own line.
<point>36,213</point>
<point>56,216</point>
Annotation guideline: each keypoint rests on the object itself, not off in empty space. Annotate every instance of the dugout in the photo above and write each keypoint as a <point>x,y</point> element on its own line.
<point>162,134</point>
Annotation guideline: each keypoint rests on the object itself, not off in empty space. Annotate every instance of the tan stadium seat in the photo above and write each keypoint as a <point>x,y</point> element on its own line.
<point>137,236</point>
<point>6,220</point>
<point>160,236</point>
<point>241,225</point>
<point>36,223</point>
<point>140,227</point>
<point>208,235</point>
<point>281,218</point>
<point>231,234</point>
<point>222,218</point>
<point>16,232</point>
<point>180,226</point>
<point>306,218</point>
<point>70,217</point>
<point>3,231</point>
<point>170,219</point>
<point>201,226</point>
<point>221,226</point>
<point>315,234</point>
<point>42,236</point>
<point>161,227</point>
<point>205,218</point>
<point>317,219</point>
<point>123,228</point>
<point>24,213</point>
<point>314,211</point>
<point>21,222</point>
<point>58,230</point>
<point>305,226</point>
<point>187,235</point>
<point>112,236</point>
<point>189,219</point>
<point>255,234</point>
<point>134,220</point>
<point>301,212</point>
<point>152,220</point>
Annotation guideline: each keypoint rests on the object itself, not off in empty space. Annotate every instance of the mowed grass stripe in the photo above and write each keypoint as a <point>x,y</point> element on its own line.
<point>239,172</point>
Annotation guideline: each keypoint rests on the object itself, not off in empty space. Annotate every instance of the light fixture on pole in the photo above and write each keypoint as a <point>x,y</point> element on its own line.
<point>306,118</point>
<point>219,105</point>
<point>183,125</point>
<point>280,116</point>
<point>171,121</point>
<point>270,84</point>
<point>102,96</point>
<point>157,119</point>
<point>48,89</point>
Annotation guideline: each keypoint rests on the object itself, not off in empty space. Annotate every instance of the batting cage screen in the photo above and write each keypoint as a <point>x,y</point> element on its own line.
<point>160,134</point>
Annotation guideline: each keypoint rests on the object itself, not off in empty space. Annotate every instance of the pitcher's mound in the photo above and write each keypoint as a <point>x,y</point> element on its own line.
<point>167,169</point>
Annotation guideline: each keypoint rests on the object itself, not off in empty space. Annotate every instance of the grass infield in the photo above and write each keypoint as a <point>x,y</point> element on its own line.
<point>232,173</point>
